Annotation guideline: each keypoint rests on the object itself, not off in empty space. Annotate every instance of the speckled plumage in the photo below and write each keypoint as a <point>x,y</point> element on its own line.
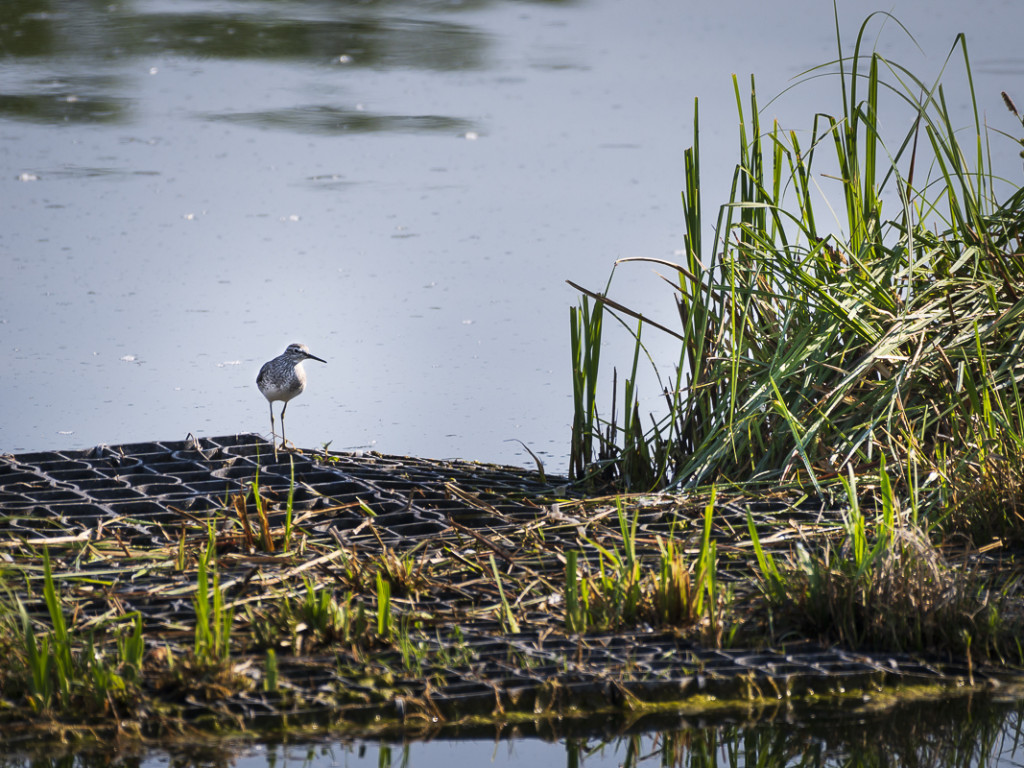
<point>284,378</point>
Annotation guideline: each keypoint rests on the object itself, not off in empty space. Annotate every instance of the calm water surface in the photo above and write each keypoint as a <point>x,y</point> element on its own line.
<point>403,186</point>
<point>942,733</point>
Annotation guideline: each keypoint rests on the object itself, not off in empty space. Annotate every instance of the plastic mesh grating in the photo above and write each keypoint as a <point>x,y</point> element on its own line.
<point>97,511</point>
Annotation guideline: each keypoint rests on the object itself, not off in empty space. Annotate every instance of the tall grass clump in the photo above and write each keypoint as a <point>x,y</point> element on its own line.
<point>213,620</point>
<point>886,587</point>
<point>810,345</point>
<point>55,668</point>
<point>622,591</point>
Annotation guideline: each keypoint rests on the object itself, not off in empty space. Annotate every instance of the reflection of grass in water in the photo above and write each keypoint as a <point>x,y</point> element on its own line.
<point>938,732</point>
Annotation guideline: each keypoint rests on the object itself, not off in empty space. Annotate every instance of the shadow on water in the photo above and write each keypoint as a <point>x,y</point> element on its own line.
<point>954,733</point>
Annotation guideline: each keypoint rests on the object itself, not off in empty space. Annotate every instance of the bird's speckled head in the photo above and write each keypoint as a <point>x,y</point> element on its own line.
<point>300,352</point>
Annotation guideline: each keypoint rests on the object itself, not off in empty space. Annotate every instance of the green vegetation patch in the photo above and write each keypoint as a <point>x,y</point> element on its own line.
<point>859,310</point>
<point>451,598</point>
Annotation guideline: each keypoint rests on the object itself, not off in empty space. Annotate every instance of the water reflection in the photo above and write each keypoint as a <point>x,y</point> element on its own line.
<point>342,31</point>
<point>54,102</point>
<point>342,35</point>
<point>962,732</point>
<point>327,120</point>
<point>26,28</point>
<point>363,33</point>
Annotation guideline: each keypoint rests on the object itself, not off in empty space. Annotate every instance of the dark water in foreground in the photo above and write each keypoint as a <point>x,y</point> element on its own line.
<point>962,732</point>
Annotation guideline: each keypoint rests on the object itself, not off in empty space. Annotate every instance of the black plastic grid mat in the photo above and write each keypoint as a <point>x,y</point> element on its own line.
<point>146,495</point>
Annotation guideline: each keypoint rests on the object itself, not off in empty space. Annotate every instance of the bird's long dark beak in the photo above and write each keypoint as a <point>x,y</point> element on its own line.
<point>314,357</point>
